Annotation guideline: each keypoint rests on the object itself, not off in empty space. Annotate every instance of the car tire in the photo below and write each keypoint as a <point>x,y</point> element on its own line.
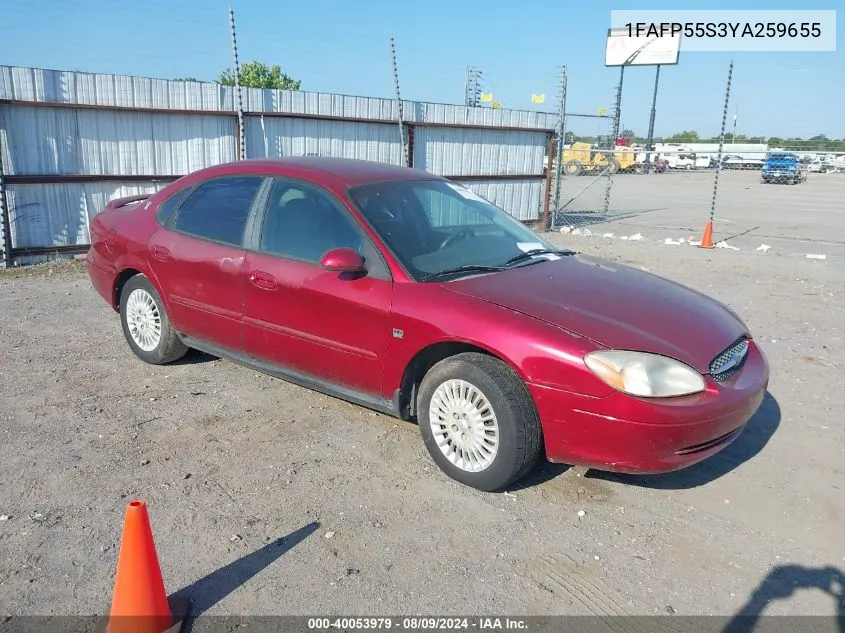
<point>146,326</point>
<point>513,435</point>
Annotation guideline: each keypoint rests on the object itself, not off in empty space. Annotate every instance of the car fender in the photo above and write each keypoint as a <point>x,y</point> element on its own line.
<point>134,254</point>
<point>539,353</point>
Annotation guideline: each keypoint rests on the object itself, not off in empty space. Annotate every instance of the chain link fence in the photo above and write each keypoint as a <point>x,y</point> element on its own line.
<point>765,195</point>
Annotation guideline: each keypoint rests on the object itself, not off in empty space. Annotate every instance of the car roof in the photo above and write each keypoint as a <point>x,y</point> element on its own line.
<point>341,172</point>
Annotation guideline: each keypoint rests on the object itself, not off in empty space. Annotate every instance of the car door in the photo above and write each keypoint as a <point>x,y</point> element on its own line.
<point>197,256</point>
<point>327,325</point>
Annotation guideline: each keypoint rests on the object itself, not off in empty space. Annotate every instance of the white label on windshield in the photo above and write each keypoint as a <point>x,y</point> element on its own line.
<point>466,193</point>
<point>530,246</point>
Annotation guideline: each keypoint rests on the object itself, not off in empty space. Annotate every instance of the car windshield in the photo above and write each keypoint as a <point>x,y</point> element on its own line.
<point>434,226</point>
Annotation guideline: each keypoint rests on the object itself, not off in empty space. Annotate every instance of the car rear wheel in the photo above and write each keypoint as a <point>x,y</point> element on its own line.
<point>145,324</point>
<point>478,421</point>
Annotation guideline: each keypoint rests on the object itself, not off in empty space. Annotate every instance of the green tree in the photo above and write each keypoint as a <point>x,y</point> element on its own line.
<point>255,74</point>
<point>687,136</point>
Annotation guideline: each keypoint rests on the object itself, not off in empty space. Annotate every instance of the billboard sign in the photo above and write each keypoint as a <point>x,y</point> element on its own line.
<point>626,49</point>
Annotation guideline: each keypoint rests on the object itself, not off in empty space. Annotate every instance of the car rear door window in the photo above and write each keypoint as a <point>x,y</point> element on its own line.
<point>218,209</point>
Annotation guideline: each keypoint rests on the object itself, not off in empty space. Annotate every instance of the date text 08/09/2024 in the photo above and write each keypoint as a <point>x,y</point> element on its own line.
<point>725,29</point>
<point>418,623</point>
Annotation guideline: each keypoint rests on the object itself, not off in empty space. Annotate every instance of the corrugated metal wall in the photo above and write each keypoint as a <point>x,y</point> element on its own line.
<point>523,199</point>
<point>58,214</point>
<point>273,136</point>
<point>519,198</point>
<point>471,152</point>
<point>61,86</point>
<point>83,141</point>
<point>91,140</point>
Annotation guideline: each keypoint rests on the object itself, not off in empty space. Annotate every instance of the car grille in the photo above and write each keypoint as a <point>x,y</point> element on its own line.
<point>729,362</point>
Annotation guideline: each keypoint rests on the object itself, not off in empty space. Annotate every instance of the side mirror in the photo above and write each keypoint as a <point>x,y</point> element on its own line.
<point>344,260</point>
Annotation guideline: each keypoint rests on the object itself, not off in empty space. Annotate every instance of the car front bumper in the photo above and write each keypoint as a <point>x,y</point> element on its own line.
<point>624,434</point>
<point>783,173</point>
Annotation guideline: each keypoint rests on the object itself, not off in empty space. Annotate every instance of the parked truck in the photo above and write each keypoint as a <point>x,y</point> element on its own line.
<point>783,167</point>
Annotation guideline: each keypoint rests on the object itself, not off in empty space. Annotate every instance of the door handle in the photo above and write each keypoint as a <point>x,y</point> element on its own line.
<point>160,253</point>
<point>262,280</point>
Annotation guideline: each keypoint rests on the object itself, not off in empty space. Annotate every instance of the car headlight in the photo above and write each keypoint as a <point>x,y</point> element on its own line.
<point>645,375</point>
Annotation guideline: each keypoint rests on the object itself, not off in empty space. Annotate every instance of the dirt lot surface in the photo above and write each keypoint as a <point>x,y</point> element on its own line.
<point>266,498</point>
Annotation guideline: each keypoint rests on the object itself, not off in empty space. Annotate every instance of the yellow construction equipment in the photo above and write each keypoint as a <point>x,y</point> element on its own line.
<point>584,158</point>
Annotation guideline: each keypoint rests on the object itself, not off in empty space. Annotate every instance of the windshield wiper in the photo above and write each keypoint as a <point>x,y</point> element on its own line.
<point>535,251</point>
<point>470,268</point>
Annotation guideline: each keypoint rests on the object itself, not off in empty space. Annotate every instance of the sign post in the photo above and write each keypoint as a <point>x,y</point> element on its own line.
<point>624,48</point>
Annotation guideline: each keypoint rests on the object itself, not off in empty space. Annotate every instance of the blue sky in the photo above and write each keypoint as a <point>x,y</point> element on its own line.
<point>343,46</point>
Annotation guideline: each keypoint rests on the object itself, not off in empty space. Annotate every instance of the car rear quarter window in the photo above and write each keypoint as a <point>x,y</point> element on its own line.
<point>165,209</point>
<point>218,210</point>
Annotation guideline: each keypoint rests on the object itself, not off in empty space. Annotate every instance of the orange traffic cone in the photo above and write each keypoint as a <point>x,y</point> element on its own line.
<point>140,604</point>
<point>707,239</point>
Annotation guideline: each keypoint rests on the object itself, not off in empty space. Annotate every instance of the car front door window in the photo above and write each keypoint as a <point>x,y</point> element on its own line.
<point>303,222</point>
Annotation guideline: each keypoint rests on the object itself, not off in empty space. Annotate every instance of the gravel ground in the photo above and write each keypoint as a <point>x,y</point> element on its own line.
<point>266,498</point>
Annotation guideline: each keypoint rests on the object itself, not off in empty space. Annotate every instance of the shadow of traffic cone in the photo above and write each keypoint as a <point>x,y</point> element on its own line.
<point>140,604</point>
<point>707,239</point>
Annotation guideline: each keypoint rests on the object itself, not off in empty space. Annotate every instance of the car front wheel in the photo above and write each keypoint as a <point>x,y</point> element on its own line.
<point>478,421</point>
<point>145,324</point>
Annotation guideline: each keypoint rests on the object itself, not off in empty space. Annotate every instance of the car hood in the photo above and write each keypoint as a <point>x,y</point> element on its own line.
<point>615,306</point>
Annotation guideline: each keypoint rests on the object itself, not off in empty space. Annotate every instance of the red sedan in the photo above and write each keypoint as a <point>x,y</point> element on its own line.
<point>401,291</point>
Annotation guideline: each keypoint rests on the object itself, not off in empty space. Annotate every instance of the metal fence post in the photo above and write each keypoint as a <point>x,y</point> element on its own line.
<point>561,139</point>
<point>238,93</point>
<point>400,112</point>
<point>650,142</point>
<point>551,149</point>
<point>617,115</point>
<point>5,223</point>
<point>721,143</point>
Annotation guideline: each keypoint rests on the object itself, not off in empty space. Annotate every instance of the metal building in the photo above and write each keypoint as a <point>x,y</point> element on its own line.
<point>71,141</point>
